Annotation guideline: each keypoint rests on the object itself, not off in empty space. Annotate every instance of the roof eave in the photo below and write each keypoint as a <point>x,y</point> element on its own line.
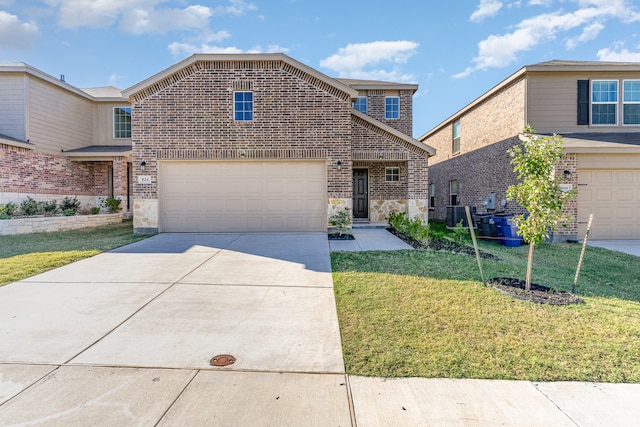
<point>504,83</point>
<point>127,93</point>
<point>16,143</point>
<point>28,69</point>
<point>430,150</point>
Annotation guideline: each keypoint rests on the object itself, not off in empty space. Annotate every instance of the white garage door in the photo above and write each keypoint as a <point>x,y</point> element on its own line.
<point>613,196</point>
<point>243,196</point>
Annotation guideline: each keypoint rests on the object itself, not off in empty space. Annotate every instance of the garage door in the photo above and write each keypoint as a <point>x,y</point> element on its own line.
<point>614,198</point>
<point>242,196</point>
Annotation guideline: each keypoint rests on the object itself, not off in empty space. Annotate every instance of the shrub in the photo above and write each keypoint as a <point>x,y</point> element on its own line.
<point>30,207</point>
<point>112,204</point>
<point>70,203</point>
<point>341,221</point>
<point>69,212</point>
<point>50,208</point>
<point>413,228</point>
<point>95,210</point>
<point>460,232</point>
<point>10,209</point>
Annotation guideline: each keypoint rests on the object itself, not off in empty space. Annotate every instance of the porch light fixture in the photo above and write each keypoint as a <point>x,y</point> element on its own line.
<point>380,157</point>
<point>339,164</point>
<point>567,174</point>
<point>143,165</point>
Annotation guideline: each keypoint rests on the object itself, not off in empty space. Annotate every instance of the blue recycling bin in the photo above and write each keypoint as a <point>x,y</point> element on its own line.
<point>499,222</point>
<point>510,232</point>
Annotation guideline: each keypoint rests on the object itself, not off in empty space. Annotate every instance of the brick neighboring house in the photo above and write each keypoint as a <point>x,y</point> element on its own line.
<point>57,140</point>
<point>262,142</point>
<point>595,106</point>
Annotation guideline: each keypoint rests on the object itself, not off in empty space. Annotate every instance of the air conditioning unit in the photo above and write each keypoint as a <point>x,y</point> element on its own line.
<point>457,213</point>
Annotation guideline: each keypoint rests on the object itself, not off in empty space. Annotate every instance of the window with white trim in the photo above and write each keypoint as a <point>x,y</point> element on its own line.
<point>361,104</point>
<point>392,107</point>
<point>455,146</point>
<point>243,106</point>
<point>432,195</point>
<point>121,122</point>
<point>631,102</point>
<point>392,174</point>
<point>604,102</point>
<point>453,192</point>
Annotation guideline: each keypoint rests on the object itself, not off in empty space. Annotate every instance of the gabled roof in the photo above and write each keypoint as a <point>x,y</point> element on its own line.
<point>376,84</point>
<point>109,93</point>
<point>185,67</point>
<point>555,65</point>
<point>396,133</point>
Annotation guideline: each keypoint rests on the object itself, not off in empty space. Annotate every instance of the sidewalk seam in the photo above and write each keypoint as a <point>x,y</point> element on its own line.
<point>556,405</point>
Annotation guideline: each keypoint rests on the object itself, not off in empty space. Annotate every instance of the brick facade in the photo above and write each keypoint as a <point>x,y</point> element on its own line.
<point>31,172</point>
<point>376,109</point>
<point>189,115</point>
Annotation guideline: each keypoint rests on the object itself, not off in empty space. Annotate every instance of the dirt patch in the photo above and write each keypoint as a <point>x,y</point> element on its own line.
<point>538,293</point>
<point>440,244</point>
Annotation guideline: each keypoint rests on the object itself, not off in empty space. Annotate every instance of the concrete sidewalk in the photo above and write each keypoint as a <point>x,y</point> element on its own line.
<point>631,247</point>
<point>126,337</point>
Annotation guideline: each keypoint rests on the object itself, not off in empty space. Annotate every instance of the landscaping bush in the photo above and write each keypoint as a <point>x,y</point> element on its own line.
<point>112,204</point>
<point>413,228</point>
<point>70,205</point>
<point>341,221</point>
<point>30,207</point>
<point>50,208</point>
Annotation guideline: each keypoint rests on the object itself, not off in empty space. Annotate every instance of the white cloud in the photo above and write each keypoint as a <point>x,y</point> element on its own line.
<point>486,9</point>
<point>187,49</point>
<point>141,21</point>
<point>352,61</point>
<point>589,32</point>
<point>141,16</point>
<point>502,50</point>
<point>115,78</point>
<point>618,54</point>
<point>15,34</point>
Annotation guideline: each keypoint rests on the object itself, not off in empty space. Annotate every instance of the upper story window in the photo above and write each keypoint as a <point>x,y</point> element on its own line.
<point>243,106</point>
<point>392,107</point>
<point>361,104</point>
<point>455,146</point>
<point>392,174</point>
<point>604,102</point>
<point>122,122</point>
<point>631,102</point>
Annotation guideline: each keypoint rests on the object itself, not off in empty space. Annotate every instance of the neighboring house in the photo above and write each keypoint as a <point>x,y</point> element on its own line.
<point>57,140</point>
<point>595,106</point>
<point>262,142</point>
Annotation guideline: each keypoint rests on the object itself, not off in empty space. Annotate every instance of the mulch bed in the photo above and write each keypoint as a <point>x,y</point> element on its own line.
<point>538,293</point>
<point>440,244</point>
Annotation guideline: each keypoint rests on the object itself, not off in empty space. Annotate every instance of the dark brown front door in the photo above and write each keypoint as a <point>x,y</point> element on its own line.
<point>360,193</point>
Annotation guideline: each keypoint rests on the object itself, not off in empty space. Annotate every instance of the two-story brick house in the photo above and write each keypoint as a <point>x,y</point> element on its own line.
<point>595,106</point>
<point>57,140</point>
<point>262,142</point>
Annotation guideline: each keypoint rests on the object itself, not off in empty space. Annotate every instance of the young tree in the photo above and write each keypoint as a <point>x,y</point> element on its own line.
<point>538,190</point>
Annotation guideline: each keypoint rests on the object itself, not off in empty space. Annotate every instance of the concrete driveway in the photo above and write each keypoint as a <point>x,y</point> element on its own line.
<point>126,337</point>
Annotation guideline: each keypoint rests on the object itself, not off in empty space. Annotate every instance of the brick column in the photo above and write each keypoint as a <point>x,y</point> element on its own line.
<point>120,183</point>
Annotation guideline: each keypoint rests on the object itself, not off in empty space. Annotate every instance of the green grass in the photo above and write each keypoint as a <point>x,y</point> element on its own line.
<point>25,255</point>
<point>427,314</point>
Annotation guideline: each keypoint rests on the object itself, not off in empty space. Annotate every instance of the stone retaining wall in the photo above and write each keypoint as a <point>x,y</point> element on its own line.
<point>55,223</point>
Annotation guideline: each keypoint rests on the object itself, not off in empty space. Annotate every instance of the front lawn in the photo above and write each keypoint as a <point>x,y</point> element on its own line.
<point>25,255</point>
<point>426,314</point>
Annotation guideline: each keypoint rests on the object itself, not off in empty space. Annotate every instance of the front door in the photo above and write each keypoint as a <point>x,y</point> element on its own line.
<point>360,193</point>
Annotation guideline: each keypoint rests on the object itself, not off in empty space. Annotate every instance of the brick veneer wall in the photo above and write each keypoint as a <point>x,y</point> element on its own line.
<point>376,108</point>
<point>31,172</point>
<point>479,172</point>
<point>190,116</point>
<point>569,162</point>
<point>380,150</point>
<point>497,118</point>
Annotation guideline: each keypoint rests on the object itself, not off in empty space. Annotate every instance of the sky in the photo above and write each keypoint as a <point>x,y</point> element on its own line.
<point>454,50</point>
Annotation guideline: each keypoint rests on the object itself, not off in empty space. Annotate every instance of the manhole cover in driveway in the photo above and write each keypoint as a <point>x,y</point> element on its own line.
<point>222,360</point>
